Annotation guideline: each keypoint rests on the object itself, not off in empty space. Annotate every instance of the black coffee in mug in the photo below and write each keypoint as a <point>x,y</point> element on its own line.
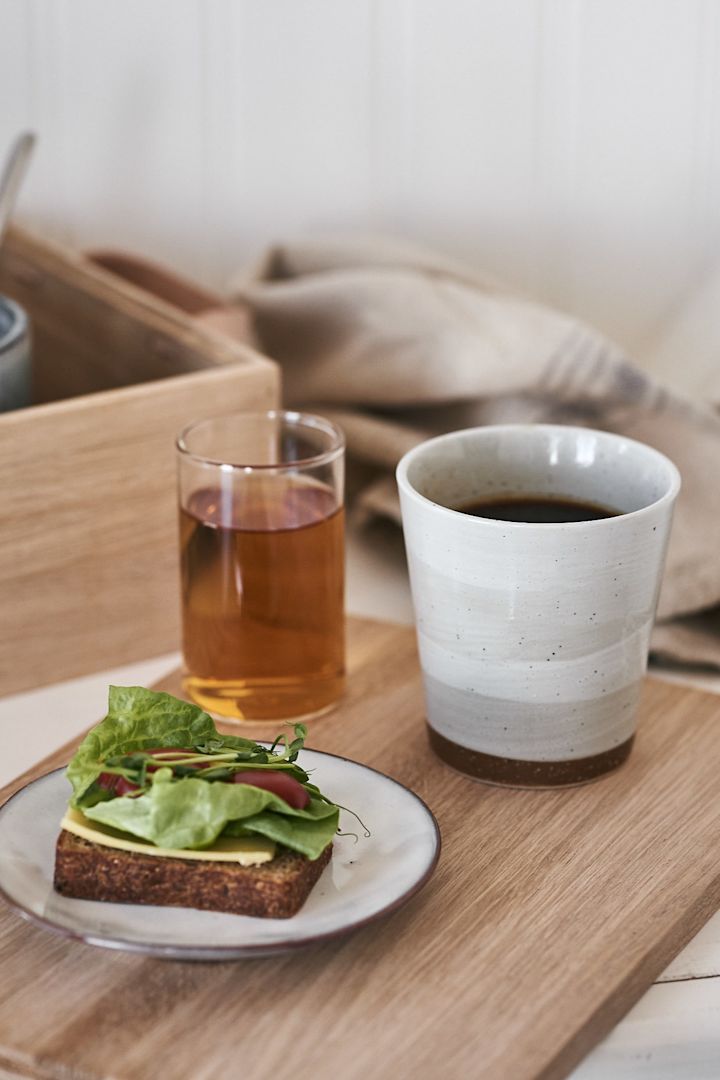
<point>536,509</point>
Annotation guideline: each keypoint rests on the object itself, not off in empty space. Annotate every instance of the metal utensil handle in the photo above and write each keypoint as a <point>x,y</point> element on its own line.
<point>15,167</point>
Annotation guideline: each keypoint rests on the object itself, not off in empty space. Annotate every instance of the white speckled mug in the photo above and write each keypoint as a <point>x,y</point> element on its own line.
<point>533,638</point>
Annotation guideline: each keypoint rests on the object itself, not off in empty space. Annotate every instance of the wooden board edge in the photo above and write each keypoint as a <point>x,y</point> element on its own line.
<point>621,998</point>
<point>56,760</point>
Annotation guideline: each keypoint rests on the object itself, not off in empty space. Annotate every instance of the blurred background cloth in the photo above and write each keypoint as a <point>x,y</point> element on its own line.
<point>398,343</point>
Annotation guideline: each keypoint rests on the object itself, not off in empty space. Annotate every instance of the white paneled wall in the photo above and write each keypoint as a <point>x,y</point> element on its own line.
<point>570,146</point>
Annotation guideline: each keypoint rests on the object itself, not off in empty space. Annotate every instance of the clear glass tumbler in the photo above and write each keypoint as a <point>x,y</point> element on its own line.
<point>262,564</point>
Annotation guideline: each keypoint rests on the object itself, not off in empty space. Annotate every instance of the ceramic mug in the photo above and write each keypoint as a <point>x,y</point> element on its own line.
<point>533,638</point>
<point>14,356</point>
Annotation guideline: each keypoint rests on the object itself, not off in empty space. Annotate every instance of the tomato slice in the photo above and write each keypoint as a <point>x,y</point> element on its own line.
<point>124,786</point>
<point>280,783</point>
<point>118,785</point>
<point>108,780</point>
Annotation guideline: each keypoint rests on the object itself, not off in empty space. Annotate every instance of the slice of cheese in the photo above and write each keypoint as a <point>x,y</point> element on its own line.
<point>245,850</point>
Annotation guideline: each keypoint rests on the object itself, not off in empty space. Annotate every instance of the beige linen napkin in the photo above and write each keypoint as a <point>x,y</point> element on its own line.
<point>400,343</point>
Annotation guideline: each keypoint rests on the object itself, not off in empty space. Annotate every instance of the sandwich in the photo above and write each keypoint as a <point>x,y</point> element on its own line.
<point>166,810</point>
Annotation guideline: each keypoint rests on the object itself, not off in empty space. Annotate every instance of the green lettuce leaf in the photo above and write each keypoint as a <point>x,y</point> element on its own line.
<point>304,834</point>
<point>192,813</point>
<point>137,719</point>
<point>187,812</point>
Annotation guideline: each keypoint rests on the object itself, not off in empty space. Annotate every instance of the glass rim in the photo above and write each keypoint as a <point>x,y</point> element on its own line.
<point>289,416</point>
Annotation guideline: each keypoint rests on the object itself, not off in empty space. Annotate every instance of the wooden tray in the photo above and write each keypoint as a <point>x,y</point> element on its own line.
<point>89,553</point>
<point>549,915</point>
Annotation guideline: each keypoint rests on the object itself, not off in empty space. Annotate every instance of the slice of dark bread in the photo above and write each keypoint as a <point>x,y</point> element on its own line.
<point>272,890</point>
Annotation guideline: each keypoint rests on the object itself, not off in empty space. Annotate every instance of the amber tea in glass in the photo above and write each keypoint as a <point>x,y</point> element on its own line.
<point>262,564</point>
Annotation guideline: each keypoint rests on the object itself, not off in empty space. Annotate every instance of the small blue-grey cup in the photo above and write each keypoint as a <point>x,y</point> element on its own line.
<point>14,356</point>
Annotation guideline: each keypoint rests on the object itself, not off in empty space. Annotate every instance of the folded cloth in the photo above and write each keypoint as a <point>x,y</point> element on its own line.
<point>398,344</point>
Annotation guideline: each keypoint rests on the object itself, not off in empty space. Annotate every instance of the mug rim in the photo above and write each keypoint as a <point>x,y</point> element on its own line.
<point>406,488</point>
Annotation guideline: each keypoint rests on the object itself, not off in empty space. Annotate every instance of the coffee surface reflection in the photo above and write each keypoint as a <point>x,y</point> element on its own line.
<point>536,509</point>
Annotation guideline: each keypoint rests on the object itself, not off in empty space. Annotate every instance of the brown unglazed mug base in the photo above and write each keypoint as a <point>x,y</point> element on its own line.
<point>510,772</point>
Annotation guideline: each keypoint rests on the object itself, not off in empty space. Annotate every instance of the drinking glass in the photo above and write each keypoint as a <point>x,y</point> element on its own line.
<point>262,564</point>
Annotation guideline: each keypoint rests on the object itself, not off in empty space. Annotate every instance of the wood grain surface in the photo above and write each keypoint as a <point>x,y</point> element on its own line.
<point>548,916</point>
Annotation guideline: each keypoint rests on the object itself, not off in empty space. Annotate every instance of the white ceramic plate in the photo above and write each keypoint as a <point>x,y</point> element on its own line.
<point>365,880</point>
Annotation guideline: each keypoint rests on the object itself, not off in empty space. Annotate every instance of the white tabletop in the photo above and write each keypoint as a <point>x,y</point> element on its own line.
<point>673,1033</point>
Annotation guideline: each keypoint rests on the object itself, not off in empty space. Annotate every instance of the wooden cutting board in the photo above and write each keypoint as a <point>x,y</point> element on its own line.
<point>549,915</point>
